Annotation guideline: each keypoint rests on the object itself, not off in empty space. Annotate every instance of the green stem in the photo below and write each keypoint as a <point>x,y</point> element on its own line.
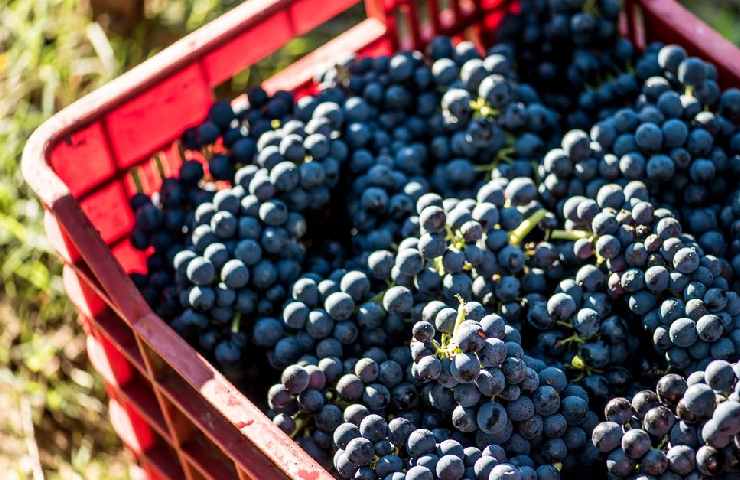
<point>300,425</point>
<point>590,7</point>
<point>447,349</point>
<point>485,168</point>
<point>477,104</point>
<point>578,363</point>
<point>181,152</point>
<point>377,298</point>
<point>483,109</point>
<point>236,323</point>
<point>503,155</point>
<point>572,339</point>
<point>137,180</point>
<point>517,235</point>
<point>438,265</point>
<point>460,314</point>
<point>487,111</point>
<point>457,242</point>
<point>160,166</point>
<point>569,234</point>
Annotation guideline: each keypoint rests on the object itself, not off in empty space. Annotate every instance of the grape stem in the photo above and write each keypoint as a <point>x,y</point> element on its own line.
<point>460,314</point>
<point>181,152</point>
<point>378,298</point>
<point>572,339</point>
<point>482,109</point>
<point>517,235</point>
<point>137,180</point>
<point>447,348</point>
<point>569,234</point>
<point>457,242</point>
<point>300,425</point>
<point>160,166</point>
<point>503,155</point>
<point>590,7</point>
<point>236,323</point>
<point>438,265</point>
<point>579,364</point>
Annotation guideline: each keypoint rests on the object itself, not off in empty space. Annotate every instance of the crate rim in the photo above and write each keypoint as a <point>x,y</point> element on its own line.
<point>50,188</point>
<point>183,52</point>
<point>57,198</point>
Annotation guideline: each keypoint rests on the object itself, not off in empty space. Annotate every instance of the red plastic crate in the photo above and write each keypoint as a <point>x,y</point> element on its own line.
<point>180,417</point>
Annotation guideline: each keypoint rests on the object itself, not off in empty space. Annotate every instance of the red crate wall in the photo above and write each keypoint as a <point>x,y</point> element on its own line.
<point>175,430</point>
<point>180,417</point>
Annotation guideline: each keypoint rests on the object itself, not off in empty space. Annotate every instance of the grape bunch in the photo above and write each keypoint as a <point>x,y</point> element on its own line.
<point>474,370</point>
<point>238,259</point>
<point>331,316</point>
<point>274,147</point>
<point>368,447</point>
<point>660,274</point>
<point>437,271</point>
<point>315,395</point>
<point>394,140</point>
<point>679,137</point>
<point>491,123</point>
<point>576,329</point>
<point>389,105</point>
<point>227,139</point>
<point>162,222</point>
<point>466,247</point>
<point>684,428</point>
<point>570,51</point>
<point>717,228</point>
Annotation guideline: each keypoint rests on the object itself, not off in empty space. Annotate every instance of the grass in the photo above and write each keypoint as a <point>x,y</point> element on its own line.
<point>722,15</point>
<point>53,420</point>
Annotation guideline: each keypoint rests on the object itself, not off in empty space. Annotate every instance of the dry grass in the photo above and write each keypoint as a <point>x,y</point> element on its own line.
<point>52,413</point>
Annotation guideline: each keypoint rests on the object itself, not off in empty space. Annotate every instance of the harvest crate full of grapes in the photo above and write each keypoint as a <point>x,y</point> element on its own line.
<point>476,240</point>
